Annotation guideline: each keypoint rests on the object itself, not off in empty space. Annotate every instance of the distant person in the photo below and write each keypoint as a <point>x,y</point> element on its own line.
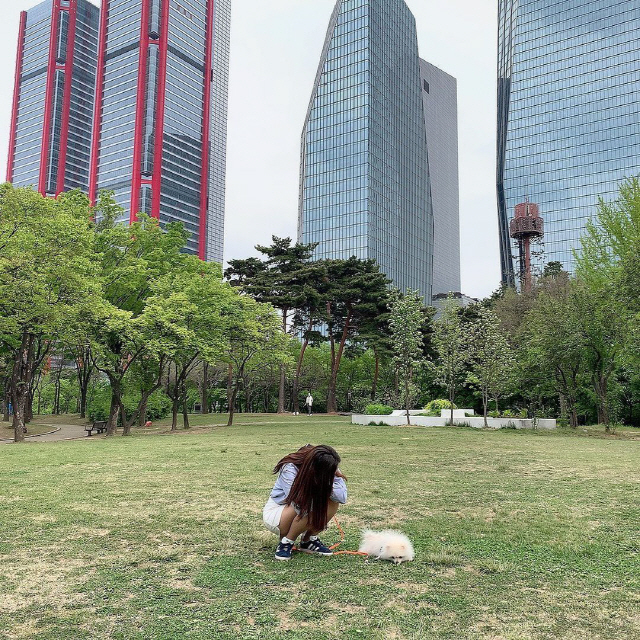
<point>309,403</point>
<point>306,495</point>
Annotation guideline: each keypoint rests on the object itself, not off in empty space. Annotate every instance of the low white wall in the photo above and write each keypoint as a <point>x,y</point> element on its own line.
<point>457,413</point>
<point>477,423</point>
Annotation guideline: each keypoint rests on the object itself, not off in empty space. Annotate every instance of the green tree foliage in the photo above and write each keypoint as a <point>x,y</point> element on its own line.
<point>253,331</point>
<point>451,342</point>
<point>357,291</point>
<point>405,321</point>
<point>284,279</point>
<point>492,360</point>
<point>46,280</point>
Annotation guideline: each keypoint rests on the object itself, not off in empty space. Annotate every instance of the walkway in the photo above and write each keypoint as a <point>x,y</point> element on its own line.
<point>65,432</point>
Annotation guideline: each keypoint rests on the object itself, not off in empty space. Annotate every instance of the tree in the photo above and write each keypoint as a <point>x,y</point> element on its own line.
<point>492,360</point>
<point>405,322</point>
<point>189,307</point>
<point>356,289</point>
<point>125,339</point>
<point>451,344</point>
<point>251,329</point>
<point>282,280</point>
<point>553,345</point>
<point>46,280</point>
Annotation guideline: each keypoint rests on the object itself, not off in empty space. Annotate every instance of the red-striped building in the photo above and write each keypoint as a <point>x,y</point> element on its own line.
<point>153,110</point>
<point>51,122</point>
<point>130,98</point>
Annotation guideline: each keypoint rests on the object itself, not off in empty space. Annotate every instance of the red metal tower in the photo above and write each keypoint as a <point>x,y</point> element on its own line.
<point>526,227</point>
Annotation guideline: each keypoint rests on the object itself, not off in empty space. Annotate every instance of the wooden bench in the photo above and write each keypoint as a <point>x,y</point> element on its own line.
<point>98,427</point>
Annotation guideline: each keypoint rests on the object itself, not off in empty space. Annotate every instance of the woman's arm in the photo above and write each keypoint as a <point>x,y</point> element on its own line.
<point>339,492</point>
<point>283,484</point>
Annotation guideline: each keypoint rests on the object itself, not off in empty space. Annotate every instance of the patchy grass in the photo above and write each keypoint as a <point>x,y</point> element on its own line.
<point>517,535</point>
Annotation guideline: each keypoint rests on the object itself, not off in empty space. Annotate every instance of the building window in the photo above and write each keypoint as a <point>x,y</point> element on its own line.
<point>426,86</point>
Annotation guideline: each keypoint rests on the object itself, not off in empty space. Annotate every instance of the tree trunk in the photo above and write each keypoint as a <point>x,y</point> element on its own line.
<point>485,407</point>
<point>232,404</point>
<point>174,412</point>
<point>83,401</point>
<point>21,378</point>
<point>185,411</point>
<point>114,409</point>
<point>407,400</point>
<point>376,376</point>
<point>28,409</point>
<point>601,384</point>
<point>452,393</point>
<point>296,380</point>
<point>332,402</point>
<point>142,416</point>
<point>283,377</point>
<point>204,390</point>
<point>229,385</point>
<point>84,369</point>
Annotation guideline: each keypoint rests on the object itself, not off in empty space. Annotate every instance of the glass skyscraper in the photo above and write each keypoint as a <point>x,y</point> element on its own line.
<point>51,124</point>
<point>568,115</point>
<point>365,188</point>
<point>160,141</point>
<point>440,102</point>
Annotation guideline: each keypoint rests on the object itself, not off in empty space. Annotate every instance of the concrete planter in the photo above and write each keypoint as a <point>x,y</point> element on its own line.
<point>475,422</point>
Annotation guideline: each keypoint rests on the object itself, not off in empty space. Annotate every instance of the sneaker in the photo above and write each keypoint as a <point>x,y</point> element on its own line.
<point>315,545</point>
<point>284,550</point>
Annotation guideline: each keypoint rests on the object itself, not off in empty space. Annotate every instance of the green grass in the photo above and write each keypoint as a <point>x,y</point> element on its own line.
<point>517,535</point>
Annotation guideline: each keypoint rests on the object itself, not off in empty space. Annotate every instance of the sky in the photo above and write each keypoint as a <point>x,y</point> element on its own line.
<point>275,51</point>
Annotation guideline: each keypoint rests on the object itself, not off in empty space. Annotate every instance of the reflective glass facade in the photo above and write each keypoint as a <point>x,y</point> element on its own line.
<point>51,128</point>
<point>364,187</point>
<point>568,115</point>
<point>157,135</point>
<point>440,102</point>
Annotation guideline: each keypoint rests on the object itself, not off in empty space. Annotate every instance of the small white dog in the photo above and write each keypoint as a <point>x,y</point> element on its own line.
<point>387,545</point>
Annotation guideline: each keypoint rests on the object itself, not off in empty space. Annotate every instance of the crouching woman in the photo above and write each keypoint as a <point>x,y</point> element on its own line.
<point>305,497</point>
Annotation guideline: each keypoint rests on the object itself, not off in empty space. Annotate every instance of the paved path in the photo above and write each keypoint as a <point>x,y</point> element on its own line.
<point>65,432</point>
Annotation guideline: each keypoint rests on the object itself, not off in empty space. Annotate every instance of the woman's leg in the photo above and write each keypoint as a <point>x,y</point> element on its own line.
<point>298,525</point>
<point>286,519</point>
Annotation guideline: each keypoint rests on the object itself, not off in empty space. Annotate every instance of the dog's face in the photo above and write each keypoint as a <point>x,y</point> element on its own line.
<point>396,552</point>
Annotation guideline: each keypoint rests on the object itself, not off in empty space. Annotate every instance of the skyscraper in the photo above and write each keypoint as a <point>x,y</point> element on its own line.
<point>51,123</point>
<point>440,102</point>
<point>568,115</point>
<point>160,142</point>
<point>364,187</point>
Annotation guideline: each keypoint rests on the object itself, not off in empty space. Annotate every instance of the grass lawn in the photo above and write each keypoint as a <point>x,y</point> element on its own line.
<point>517,535</point>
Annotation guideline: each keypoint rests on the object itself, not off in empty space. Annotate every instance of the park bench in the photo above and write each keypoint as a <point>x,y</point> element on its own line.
<point>98,427</point>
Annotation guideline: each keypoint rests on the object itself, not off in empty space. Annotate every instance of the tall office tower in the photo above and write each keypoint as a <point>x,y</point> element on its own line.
<point>568,115</point>
<point>50,136</point>
<point>440,101</point>
<point>364,188</point>
<point>160,142</point>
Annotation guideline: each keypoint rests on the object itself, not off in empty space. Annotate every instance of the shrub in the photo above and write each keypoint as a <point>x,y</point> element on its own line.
<point>378,410</point>
<point>158,405</point>
<point>509,414</point>
<point>434,407</point>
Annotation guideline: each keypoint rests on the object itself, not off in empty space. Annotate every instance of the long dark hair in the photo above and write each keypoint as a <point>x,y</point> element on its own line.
<point>311,490</point>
